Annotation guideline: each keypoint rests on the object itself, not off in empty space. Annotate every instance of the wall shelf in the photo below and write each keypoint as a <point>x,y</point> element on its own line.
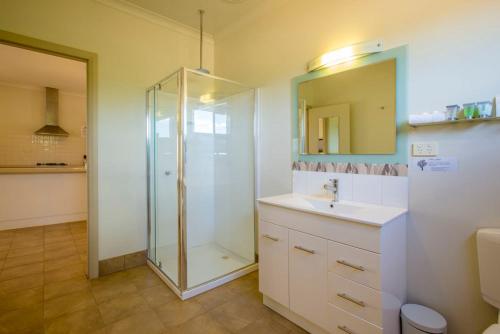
<point>459,121</point>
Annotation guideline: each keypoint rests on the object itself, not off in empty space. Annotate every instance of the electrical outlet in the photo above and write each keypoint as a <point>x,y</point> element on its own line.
<point>424,149</point>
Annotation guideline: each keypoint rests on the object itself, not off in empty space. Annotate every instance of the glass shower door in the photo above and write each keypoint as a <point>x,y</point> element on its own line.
<point>219,177</point>
<point>163,202</point>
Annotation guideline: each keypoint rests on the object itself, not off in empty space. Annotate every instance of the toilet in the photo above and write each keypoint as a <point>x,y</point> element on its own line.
<point>488,252</point>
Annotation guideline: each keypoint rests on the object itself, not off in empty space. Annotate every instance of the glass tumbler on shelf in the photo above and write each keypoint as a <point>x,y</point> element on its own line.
<point>452,112</point>
<point>485,109</point>
<point>469,110</point>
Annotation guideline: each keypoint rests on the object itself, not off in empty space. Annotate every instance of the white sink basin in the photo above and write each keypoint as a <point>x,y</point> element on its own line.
<point>328,206</point>
<point>353,211</point>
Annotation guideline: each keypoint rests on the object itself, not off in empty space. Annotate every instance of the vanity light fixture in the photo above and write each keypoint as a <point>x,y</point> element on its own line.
<point>345,54</point>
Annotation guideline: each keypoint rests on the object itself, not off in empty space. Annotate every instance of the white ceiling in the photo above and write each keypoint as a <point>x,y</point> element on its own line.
<point>218,13</point>
<point>25,67</point>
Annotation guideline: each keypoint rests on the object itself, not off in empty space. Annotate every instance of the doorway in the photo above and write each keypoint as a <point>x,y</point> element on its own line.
<point>58,172</point>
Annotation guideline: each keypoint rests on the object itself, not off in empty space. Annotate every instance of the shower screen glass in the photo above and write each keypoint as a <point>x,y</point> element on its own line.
<point>219,181</point>
<point>201,178</point>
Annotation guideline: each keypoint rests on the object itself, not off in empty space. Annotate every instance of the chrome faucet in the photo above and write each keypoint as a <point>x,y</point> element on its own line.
<point>333,186</point>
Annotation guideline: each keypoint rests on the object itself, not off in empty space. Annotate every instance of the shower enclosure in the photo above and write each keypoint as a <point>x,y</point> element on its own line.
<point>200,144</point>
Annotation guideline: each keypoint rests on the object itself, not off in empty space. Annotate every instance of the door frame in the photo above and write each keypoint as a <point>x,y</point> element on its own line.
<point>90,59</point>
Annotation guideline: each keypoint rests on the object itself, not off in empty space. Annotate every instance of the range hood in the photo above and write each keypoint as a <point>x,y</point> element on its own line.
<point>51,127</point>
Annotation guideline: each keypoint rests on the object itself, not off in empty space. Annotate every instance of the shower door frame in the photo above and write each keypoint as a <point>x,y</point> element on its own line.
<point>181,289</point>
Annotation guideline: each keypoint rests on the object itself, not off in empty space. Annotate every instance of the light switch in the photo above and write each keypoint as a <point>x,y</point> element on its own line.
<point>424,149</point>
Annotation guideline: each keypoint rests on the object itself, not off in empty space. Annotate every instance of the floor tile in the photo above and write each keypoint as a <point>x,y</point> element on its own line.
<point>57,233</point>
<point>158,295</point>
<point>215,297</point>
<point>22,260</point>
<point>23,320</point>
<point>61,288</point>
<point>57,227</point>
<point>59,245</point>
<point>26,242</point>
<point>83,321</point>
<point>3,254</point>
<point>79,235</point>
<point>201,324</point>
<point>146,322</point>
<point>21,283</point>
<point>240,312</point>
<point>25,251</point>
<point>69,271</point>
<point>122,307</point>
<point>20,271</point>
<point>62,262</point>
<point>177,312</point>
<point>62,238</point>
<point>265,326</point>
<point>20,299</point>
<point>68,303</point>
<point>43,288</point>
<point>51,254</point>
<point>106,290</point>
<point>143,277</point>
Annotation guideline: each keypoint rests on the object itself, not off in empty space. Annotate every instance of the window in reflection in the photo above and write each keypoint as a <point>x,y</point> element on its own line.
<point>203,121</point>
<point>163,128</point>
<point>220,124</point>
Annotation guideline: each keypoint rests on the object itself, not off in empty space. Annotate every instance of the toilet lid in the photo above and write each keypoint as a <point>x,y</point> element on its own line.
<point>423,318</point>
<point>493,329</point>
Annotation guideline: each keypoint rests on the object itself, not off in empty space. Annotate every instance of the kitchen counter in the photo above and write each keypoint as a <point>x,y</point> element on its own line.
<point>42,170</point>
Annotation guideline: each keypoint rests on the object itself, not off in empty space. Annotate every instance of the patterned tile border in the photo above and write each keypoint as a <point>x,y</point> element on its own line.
<point>353,168</point>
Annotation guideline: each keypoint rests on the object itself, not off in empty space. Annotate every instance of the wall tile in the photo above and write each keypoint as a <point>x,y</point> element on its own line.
<point>395,191</point>
<point>299,182</point>
<point>345,185</point>
<point>367,188</point>
<point>315,183</point>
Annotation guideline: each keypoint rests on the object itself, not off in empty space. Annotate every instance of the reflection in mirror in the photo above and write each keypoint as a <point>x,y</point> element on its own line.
<point>351,112</point>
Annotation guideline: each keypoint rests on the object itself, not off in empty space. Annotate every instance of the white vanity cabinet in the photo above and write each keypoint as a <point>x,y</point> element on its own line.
<point>332,275</point>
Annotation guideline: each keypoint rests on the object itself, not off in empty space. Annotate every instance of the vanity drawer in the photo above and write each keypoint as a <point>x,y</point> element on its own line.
<point>355,298</point>
<point>347,232</point>
<point>342,322</point>
<point>355,264</point>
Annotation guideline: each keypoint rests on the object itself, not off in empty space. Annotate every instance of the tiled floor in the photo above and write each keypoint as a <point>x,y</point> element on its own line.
<point>43,290</point>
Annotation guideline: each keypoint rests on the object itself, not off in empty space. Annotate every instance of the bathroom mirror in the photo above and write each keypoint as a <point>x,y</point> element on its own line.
<point>350,112</point>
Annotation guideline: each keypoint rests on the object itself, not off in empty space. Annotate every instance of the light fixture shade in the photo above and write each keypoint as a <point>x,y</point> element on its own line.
<point>345,54</point>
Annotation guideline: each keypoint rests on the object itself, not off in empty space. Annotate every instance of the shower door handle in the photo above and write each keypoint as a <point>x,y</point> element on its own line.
<point>167,172</point>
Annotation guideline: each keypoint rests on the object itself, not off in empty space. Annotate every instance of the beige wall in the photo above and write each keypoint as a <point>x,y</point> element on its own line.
<point>133,53</point>
<point>22,111</point>
<point>453,53</point>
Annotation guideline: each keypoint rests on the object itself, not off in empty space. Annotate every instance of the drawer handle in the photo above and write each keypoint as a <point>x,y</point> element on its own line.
<point>267,236</point>
<point>353,266</point>
<point>310,251</point>
<point>351,299</point>
<point>345,329</point>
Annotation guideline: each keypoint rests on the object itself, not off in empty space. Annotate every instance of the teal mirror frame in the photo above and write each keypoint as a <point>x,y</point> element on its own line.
<point>401,155</point>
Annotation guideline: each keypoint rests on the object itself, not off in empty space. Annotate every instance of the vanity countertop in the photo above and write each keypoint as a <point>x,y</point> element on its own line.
<point>370,214</point>
<point>42,169</point>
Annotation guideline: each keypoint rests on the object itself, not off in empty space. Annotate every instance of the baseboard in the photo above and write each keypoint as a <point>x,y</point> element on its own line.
<point>122,262</point>
<point>41,221</point>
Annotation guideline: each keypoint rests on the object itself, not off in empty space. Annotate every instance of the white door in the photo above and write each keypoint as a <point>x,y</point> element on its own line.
<point>273,262</point>
<point>308,277</point>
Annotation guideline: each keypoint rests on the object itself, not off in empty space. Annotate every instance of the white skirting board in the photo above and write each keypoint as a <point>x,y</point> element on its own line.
<point>40,221</point>
<point>293,317</point>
